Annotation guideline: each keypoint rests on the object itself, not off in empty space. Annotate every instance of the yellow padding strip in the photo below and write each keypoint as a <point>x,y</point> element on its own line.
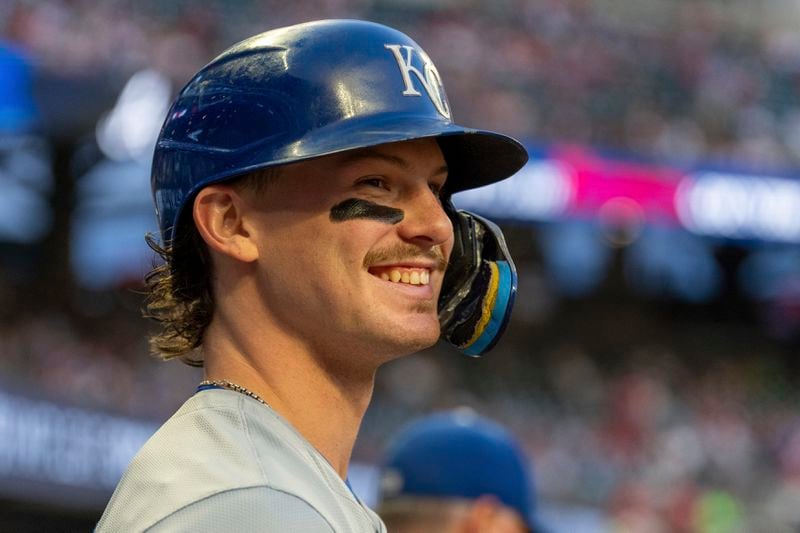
<point>488,305</point>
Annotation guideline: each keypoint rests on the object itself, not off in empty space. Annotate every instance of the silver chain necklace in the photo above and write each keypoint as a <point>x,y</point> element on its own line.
<point>225,384</point>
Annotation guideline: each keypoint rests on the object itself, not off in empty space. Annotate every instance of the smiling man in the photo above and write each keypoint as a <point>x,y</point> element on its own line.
<point>302,182</point>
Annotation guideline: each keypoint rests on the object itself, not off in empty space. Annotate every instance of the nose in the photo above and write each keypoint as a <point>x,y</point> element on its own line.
<point>425,223</point>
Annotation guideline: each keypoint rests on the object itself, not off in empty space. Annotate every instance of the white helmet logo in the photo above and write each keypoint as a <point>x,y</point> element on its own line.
<point>429,77</point>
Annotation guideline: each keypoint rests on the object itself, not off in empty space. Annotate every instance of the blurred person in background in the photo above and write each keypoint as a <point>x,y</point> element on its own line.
<point>302,183</point>
<point>457,472</point>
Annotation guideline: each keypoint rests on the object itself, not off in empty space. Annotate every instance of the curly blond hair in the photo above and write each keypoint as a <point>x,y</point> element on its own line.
<point>179,297</point>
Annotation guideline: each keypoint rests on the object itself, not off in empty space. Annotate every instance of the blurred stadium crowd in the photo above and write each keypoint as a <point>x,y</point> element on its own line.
<point>656,443</point>
<point>678,80</point>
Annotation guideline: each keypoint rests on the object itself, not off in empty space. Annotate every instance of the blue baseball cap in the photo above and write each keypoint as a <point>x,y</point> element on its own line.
<point>458,454</point>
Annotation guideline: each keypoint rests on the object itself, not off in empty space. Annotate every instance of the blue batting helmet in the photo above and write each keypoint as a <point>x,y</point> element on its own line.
<point>325,87</point>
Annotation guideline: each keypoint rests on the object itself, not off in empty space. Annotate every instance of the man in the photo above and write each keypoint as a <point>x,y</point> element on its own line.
<point>456,472</point>
<point>302,183</point>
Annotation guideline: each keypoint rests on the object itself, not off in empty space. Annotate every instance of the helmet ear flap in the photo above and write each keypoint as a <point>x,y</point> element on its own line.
<point>479,286</point>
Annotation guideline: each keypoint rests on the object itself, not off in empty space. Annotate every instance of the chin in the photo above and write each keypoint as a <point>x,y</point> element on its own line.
<point>399,334</point>
<point>416,340</point>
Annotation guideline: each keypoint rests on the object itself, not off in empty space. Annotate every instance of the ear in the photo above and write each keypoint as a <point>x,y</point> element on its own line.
<point>220,215</point>
<point>488,514</point>
<point>479,516</point>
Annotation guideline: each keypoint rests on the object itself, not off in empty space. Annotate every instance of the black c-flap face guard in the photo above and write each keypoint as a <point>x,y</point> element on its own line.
<point>479,286</point>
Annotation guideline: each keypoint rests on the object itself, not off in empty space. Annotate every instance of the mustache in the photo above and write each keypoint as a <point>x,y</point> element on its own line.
<point>402,252</point>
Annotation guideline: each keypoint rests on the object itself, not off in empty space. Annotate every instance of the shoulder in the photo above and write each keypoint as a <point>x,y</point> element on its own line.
<point>222,447</point>
<point>202,450</point>
<point>244,510</point>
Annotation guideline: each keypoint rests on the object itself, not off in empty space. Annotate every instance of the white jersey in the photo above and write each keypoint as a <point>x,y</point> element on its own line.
<point>226,462</point>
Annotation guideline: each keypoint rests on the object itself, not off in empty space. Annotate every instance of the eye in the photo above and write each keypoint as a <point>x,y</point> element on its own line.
<point>436,189</point>
<point>374,181</point>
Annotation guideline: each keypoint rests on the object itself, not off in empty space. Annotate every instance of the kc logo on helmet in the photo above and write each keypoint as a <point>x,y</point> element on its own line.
<point>428,77</point>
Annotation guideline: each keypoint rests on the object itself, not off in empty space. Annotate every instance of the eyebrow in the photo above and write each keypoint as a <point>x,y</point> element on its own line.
<point>371,153</point>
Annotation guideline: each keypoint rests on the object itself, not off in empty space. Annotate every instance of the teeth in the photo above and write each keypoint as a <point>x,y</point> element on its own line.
<point>414,277</point>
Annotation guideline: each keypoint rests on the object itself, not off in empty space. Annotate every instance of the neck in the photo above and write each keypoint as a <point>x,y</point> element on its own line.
<point>324,401</point>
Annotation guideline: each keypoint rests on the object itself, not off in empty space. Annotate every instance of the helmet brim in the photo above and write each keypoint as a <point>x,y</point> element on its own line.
<point>474,157</point>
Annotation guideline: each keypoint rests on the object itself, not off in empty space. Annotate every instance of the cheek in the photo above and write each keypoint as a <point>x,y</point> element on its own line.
<point>319,250</point>
<point>292,248</point>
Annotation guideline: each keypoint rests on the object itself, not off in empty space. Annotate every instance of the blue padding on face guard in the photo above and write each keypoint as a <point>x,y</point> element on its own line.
<point>506,292</point>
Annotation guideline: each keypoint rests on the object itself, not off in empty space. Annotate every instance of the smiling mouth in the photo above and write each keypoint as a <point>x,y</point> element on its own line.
<point>409,276</point>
